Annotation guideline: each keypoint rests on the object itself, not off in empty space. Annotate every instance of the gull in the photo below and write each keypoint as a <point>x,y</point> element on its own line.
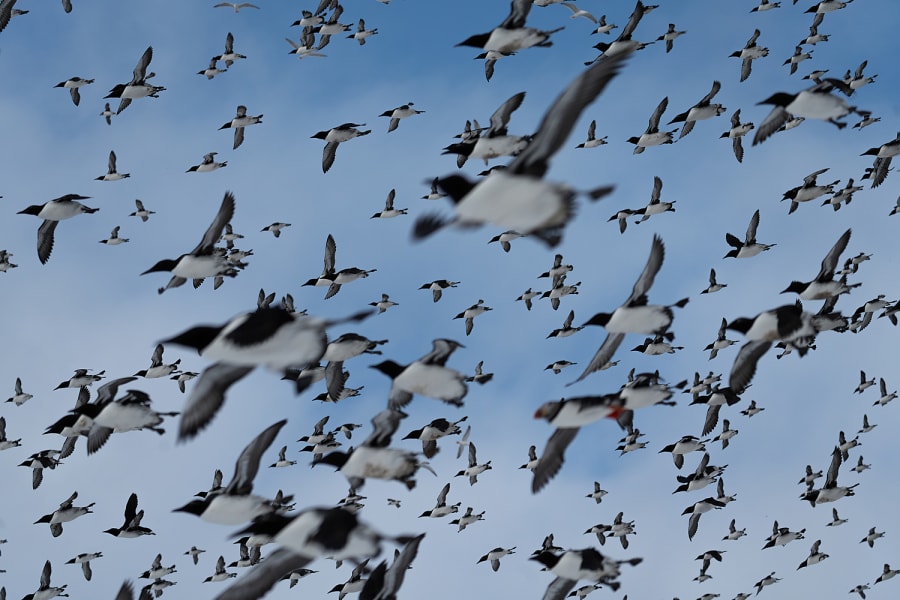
<point>578,12</point>
<point>237,6</point>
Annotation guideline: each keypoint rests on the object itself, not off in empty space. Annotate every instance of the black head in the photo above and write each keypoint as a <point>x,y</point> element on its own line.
<point>599,319</point>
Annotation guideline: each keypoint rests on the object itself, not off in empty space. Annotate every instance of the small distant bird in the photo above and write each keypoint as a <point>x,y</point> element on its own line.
<point>205,260</point>
<point>213,69</point>
<point>737,131</point>
<point>749,247</point>
<point>209,164</point>
<point>470,313</point>
<point>635,315</point>
<point>132,527</point>
<point>389,211</point>
<point>655,206</point>
<point>383,304</point>
<point>236,503</point>
<point>72,84</point>
<point>495,555</point>
<point>141,212</point>
<point>229,55</point>
<point>670,36</point>
<point>5,442</point>
<point>84,559</point>
<point>194,553</point>
<point>114,239</point>
<point>714,286</point>
<point>558,366</point>
<point>275,228</point>
<point>518,197</point>
<point>107,113</point>
<point>334,136</point>
<point>437,287</point>
<point>871,537</point>
<point>592,141</point>
<point>239,122</point>
<point>237,6</point>
<point>138,86</point>
<point>52,212</point>
<point>652,136</point>
<point>19,397</point>
<point>112,174</point>
<point>221,574</point>
<point>45,591</point>
<point>362,33</point>
<point>704,109</point>
<point>401,112</point>
<point>750,52</point>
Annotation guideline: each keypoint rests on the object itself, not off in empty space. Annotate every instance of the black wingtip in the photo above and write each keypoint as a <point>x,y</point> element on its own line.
<point>427,225</point>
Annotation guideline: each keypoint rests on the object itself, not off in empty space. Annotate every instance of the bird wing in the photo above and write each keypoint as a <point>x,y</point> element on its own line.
<point>603,354</point>
<point>553,457</point>
<point>207,396</point>
<point>247,464</point>
<point>214,231</point>
<point>745,364</point>
<point>562,115</point>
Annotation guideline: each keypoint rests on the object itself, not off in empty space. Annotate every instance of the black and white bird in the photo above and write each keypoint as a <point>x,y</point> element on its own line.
<point>787,323</point>
<point>313,533</point>
<point>567,416</point>
<point>635,315</point>
<point>45,591</point>
<point>401,112</point>
<point>652,136</point>
<point>334,136</point>
<point>374,458</point>
<point>138,87</point>
<point>52,212</point>
<point>824,286</point>
<point>239,122</point>
<point>272,337</point>
<point>73,84</point>
<point>816,102</point>
<point>704,109</point>
<point>65,513</point>
<point>235,503</point>
<point>132,527</point>
<point>112,174</point>
<point>205,260</point>
<point>518,197</point>
<point>749,247</point>
<point>427,376</point>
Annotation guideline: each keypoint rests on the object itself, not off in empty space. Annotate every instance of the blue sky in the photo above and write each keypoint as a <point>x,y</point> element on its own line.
<point>89,308</point>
